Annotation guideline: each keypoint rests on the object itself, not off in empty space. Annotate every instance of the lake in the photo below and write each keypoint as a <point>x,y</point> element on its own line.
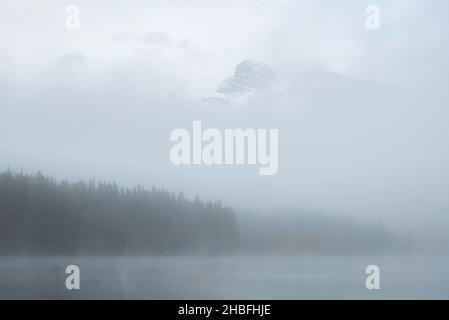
<point>225,277</point>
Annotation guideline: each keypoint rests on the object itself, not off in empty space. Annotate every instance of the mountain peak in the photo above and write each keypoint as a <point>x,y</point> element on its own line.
<point>254,81</point>
<point>251,79</point>
<point>254,74</point>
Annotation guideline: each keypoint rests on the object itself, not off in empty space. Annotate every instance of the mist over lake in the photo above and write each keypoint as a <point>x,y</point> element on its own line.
<point>235,149</point>
<point>229,277</point>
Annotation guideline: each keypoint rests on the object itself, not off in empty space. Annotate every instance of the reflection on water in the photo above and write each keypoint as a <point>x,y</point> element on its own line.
<point>238,277</point>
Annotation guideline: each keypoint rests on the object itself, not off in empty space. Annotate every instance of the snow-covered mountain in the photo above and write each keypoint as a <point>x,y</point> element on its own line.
<point>254,82</point>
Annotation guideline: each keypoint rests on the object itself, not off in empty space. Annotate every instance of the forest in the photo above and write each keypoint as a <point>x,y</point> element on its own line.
<point>41,216</point>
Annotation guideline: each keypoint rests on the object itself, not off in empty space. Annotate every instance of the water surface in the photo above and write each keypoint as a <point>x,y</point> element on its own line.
<point>230,277</point>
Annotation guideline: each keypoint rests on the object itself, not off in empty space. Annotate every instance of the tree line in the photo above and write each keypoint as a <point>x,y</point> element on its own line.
<point>41,216</point>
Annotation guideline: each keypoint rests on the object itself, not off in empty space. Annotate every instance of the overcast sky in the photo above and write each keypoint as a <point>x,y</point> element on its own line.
<point>205,39</point>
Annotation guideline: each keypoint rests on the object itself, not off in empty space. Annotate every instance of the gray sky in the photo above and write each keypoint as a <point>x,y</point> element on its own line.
<point>207,38</point>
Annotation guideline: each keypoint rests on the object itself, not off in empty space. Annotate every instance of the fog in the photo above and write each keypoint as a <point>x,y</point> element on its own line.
<point>361,114</point>
<point>101,101</point>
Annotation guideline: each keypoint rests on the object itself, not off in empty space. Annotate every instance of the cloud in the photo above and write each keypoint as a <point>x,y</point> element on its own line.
<point>156,38</point>
<point>160,38</point>
<point>74,57</point>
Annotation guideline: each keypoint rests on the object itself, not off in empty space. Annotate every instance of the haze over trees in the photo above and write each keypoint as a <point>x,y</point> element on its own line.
<point>41,216</point>
<point>38,215</point>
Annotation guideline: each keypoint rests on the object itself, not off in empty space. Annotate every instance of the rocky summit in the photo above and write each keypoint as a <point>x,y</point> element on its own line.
<point>255,82</point>
<point>251,80</point>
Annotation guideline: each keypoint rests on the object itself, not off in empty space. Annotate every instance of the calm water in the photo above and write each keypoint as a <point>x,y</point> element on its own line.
<point>247,277</point>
